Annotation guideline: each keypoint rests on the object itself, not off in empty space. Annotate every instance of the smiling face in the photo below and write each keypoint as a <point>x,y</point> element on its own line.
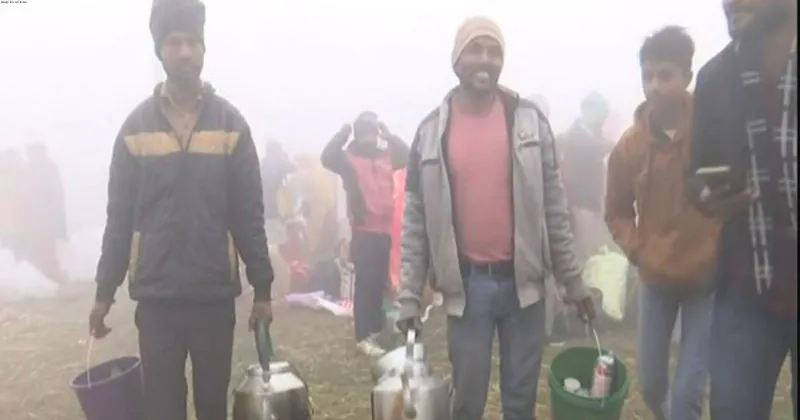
<point>479,66</point>
<point>744,16</point>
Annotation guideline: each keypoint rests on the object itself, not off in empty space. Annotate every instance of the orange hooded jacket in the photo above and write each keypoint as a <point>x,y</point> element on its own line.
<point>647,209</point>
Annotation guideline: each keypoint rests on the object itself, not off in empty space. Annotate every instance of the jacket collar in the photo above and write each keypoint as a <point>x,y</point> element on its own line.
<point>642,120</point>
<point>510,100</point>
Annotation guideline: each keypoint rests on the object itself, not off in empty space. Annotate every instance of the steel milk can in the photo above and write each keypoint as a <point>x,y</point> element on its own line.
<point>413,394</point>
<point>393,362</point>
<point>270,390</point>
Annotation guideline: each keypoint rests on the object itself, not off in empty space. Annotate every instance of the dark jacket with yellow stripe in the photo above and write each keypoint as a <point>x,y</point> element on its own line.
<point>177,214</point>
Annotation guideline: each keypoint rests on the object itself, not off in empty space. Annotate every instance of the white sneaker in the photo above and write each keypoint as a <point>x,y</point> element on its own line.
<point>369,348</point>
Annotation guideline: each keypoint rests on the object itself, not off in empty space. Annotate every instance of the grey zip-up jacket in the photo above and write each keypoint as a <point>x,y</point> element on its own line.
<point>544,251</point>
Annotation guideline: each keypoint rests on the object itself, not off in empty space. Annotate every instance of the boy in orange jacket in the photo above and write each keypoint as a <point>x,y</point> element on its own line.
<point>670,242</point>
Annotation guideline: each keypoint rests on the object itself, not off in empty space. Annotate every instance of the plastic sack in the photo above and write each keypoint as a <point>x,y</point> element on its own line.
<point>591,233</point>
<point>342,308</point>
<point>305,300</point>
<point>607,272</point>
<point>19,280</point>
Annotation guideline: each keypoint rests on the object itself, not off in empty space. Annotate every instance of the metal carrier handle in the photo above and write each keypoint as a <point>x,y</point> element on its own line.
<point>409,394</point>
<point>264,348</point>
<point>266,352</point>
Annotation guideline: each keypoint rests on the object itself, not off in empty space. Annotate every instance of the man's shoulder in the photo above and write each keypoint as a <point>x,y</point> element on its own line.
<point>432,117</point>
<point>141,116</point>
<point>428,128</point>
<point>718,65</point>
<point>228,109</point>
<point>527,105</point>
<point>631,144</point>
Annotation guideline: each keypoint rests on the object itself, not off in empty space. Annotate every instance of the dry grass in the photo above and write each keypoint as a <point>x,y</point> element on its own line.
<point>44,346</point>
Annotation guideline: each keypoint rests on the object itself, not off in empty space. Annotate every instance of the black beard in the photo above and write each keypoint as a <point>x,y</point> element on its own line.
<point>767,20</point>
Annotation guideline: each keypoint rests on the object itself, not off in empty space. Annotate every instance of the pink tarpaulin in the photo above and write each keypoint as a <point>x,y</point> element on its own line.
<point>394,261</point>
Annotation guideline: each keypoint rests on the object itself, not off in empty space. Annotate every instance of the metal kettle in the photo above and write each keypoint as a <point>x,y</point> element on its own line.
<point>393,362</point>
<point>270,390</point>
<point>251,398</point>
<point>413,394</point>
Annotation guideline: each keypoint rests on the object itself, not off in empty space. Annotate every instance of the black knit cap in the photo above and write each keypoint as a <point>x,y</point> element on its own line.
<point>168,16</point>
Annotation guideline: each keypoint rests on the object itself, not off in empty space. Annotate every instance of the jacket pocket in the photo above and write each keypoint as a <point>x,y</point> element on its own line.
<point>527,172</point>
<point>214,255</point>
<point>435,194</point>
<point>152,251</point>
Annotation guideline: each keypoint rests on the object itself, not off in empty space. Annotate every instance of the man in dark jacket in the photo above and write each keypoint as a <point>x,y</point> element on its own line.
<point>745,139</point>
<point>367,168</point>
<point>184,197</point>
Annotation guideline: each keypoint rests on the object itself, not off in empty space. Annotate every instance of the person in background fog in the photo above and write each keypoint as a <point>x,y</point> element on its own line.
<point>671,243</point>
<point>184,196</point>
<point>317,186</point>
<point>482,163</point>
<point>43,216</point>
<point>11,165</point>
<point>275,168</point>
<point>330,274</point>
<point>745,117</point>
<point>584,150</point>
<point>367,167</point>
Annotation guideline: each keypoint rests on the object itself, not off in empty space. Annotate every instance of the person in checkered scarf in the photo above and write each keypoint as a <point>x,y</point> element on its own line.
<point>745,118</point>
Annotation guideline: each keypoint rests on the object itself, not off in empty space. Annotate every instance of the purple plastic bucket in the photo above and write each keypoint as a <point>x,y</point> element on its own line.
<point>107,397</point>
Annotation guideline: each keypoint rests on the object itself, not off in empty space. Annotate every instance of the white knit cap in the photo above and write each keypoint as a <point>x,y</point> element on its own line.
<point>472,28</point>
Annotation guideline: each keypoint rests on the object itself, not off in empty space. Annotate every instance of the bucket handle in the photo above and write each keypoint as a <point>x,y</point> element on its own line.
<point>596,337</point>
<point>426,314</point>
<point>89,348</point>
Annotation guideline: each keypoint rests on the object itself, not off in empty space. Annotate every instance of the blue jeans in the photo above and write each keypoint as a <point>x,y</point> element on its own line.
<point>749,345</point>
<point>658,312</point>
<point>493,305</point>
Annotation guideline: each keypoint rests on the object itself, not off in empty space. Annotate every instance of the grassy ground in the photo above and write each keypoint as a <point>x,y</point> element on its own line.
<point>44,346</point>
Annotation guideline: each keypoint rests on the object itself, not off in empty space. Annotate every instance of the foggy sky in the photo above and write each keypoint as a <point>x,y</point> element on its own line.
<point>298,69</point>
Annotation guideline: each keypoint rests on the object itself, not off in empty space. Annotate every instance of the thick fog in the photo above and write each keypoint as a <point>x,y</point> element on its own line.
<point>72,70</point>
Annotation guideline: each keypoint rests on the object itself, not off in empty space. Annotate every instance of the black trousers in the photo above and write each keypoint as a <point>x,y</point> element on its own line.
<point>168,333</point>
<point>370,255</point>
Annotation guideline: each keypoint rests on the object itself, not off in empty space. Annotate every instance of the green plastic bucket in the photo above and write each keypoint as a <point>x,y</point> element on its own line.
<point>578,363</point>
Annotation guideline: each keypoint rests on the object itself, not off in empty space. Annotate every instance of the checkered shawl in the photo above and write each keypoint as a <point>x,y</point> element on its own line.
<point>772,146</point>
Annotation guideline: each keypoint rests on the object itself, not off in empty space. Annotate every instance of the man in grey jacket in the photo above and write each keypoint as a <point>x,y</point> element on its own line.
<point>485,216</point>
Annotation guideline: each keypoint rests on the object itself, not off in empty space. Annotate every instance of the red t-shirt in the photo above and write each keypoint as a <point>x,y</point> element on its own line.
<point>479,163</point>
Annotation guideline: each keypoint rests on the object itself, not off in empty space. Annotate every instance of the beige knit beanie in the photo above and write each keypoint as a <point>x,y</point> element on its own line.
<point>472,28</point>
